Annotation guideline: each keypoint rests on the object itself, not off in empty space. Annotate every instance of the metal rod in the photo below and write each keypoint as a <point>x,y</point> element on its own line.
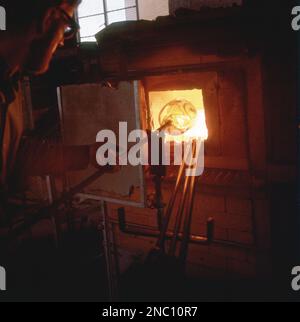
<point>107,251</point>
<point>105,12</point>
<point>161,241</point>
<point>181,209</point>
<point>51,197</point>
<point>86,196</point>
<point>137,9</point>
<point>187,228</point>
<point>188,219</point>
<point>147,231</point>
<point>158,202</point>
<point>179,216</point>
<point>167,217</point>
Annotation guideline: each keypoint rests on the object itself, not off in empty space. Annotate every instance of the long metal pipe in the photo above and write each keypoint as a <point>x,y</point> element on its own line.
<point>179,216</point>
<point>161,241</point>
<point>147,231</point>
<point>190,209</point>
<point>167,217</point>
<point>188,221</point>
<point>107,250</point>
<point>182,207</point>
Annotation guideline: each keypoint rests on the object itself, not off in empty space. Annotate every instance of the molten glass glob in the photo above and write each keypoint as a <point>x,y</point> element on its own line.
<point>178,116</point>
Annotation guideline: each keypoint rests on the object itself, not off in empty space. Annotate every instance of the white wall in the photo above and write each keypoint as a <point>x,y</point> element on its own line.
<point>151,9</point>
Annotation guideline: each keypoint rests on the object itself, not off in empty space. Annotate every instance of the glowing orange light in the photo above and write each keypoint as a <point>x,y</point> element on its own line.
<point>197,130</point>
<point>180,114</point>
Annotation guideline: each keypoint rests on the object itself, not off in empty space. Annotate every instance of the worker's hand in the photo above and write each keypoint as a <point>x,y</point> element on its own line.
<point>93,159</point>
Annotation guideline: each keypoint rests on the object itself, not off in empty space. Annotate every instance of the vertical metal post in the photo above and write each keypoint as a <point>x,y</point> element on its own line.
<point>105,12</point>
<point>51,198</point>
<point>109,253</point>
<point>137,9</point>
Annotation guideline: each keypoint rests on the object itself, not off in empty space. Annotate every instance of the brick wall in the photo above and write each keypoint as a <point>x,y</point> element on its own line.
<point>233,225</point>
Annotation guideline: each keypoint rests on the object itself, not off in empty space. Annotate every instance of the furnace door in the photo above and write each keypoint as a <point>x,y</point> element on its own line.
<point>87,109</point>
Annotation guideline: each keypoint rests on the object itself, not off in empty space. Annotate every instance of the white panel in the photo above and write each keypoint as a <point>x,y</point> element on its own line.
<point>87,109</point>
